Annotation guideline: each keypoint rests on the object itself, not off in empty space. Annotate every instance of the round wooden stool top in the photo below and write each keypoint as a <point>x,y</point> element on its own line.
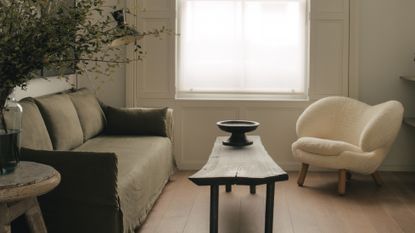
<point>28,180</point>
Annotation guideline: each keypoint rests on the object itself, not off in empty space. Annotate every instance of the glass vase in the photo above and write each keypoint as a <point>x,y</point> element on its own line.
<point>10,128</point>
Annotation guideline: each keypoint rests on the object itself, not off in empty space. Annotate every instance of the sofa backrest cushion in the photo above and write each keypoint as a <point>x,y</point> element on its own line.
<point>136,121</point>
<point>34,132</point>
<point>61,120</point>
<point>89,111</point>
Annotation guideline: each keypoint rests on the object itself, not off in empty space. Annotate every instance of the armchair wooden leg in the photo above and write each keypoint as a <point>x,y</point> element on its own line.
<point>376,177</point>
<point>342,181</point>
<point>302,175</point>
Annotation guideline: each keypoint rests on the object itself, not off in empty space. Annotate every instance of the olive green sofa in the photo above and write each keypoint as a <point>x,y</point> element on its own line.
<point>113,162</point>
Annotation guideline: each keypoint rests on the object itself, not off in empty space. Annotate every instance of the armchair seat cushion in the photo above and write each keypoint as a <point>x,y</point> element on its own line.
<point>144,166</point>
<point>323,146</point>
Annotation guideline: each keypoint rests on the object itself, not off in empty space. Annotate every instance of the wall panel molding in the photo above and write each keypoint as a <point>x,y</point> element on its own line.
<point>329,48</point>
<point>195,120</point>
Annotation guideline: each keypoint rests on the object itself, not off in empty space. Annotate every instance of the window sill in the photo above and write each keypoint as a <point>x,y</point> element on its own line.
<point>241,97</point>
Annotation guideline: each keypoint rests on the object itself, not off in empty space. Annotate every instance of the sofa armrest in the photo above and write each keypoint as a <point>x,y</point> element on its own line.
<point>86,177</point>
<point>169,124</point>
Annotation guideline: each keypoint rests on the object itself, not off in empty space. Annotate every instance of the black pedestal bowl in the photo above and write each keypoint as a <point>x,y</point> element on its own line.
<point>237,128</point>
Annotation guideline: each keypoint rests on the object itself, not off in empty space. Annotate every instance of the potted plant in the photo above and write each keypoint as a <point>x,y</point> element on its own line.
<point>61,34</point>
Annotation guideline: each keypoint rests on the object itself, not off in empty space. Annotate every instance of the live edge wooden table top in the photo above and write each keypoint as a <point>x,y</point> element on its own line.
<point>249,165</point>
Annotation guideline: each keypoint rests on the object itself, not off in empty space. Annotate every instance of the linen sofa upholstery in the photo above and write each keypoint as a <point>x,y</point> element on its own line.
<point>146,121</point>
<point>109,182</point>
<point>145,165</point>
<point>87,199</point>
<point>61,120</point>
<point>90,113</point>
<point>35,134</point>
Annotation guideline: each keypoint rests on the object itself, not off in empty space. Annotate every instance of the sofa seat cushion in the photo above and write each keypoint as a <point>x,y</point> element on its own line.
<point>144,166</point>
<point>90,113</point>
<point>34,134</point>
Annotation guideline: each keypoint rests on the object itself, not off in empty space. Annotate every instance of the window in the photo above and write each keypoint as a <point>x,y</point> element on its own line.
<point>242,49</point>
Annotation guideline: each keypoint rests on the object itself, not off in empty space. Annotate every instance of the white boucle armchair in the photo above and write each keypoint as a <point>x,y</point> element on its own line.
<point>346,134</point>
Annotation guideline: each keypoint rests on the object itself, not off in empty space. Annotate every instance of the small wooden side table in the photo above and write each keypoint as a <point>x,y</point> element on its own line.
<point>19,191</point>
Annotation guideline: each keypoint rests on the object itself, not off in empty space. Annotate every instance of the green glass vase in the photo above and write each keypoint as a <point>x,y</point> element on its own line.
<point>10,128</point>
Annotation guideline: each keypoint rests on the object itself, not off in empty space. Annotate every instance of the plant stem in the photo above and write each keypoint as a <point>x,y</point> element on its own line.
<point>3,120</point>
<point>86,59</point>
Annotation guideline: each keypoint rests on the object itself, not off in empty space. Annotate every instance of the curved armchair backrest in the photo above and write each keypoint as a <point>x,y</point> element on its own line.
<point>335,117</point>
<point>317,120</point>
<point>352,121</point>
<point>383,125</point>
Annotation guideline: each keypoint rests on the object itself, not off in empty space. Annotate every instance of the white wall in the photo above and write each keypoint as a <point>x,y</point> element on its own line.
<point>386,51</point>
<point>39,87</point>
<point>109,89</point>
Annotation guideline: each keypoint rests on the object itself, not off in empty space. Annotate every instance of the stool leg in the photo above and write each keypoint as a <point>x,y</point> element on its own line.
<point>5,229</point>
<point>4,219</point>
<point>34,218</point>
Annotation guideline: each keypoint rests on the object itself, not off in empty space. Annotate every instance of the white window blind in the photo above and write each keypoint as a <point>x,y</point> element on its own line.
<point>242,47</point>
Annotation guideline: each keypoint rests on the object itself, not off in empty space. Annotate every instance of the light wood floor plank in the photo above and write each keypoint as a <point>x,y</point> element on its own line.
<point>394,204</point>
<point>282,218</point>
<point>200,212</point>
<point>184,207</point>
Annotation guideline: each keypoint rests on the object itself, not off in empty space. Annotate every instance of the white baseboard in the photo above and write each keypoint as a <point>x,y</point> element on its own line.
<point>397,168</point>
<point>188,166</point>
<point>295,166</point>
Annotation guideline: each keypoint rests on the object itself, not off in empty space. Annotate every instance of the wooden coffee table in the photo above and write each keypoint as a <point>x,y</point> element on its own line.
<point>250,165</point>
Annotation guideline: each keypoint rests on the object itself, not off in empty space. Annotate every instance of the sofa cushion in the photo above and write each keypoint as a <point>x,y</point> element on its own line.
<point>89,112</point>
<point>34,132</point>
<point>61,120</point>
<point>136,121</point>
<point>144,165</point>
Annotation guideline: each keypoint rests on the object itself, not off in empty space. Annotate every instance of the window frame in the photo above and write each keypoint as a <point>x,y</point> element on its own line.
<point>241,95</point>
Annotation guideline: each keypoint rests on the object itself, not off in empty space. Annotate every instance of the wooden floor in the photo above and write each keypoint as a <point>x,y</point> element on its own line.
<point>316,207</point>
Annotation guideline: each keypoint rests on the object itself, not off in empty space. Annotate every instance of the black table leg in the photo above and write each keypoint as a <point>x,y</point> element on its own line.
<point>228,188</point>
<point>214,207</point>
<point>269,207</point>
<point>252,189</point>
